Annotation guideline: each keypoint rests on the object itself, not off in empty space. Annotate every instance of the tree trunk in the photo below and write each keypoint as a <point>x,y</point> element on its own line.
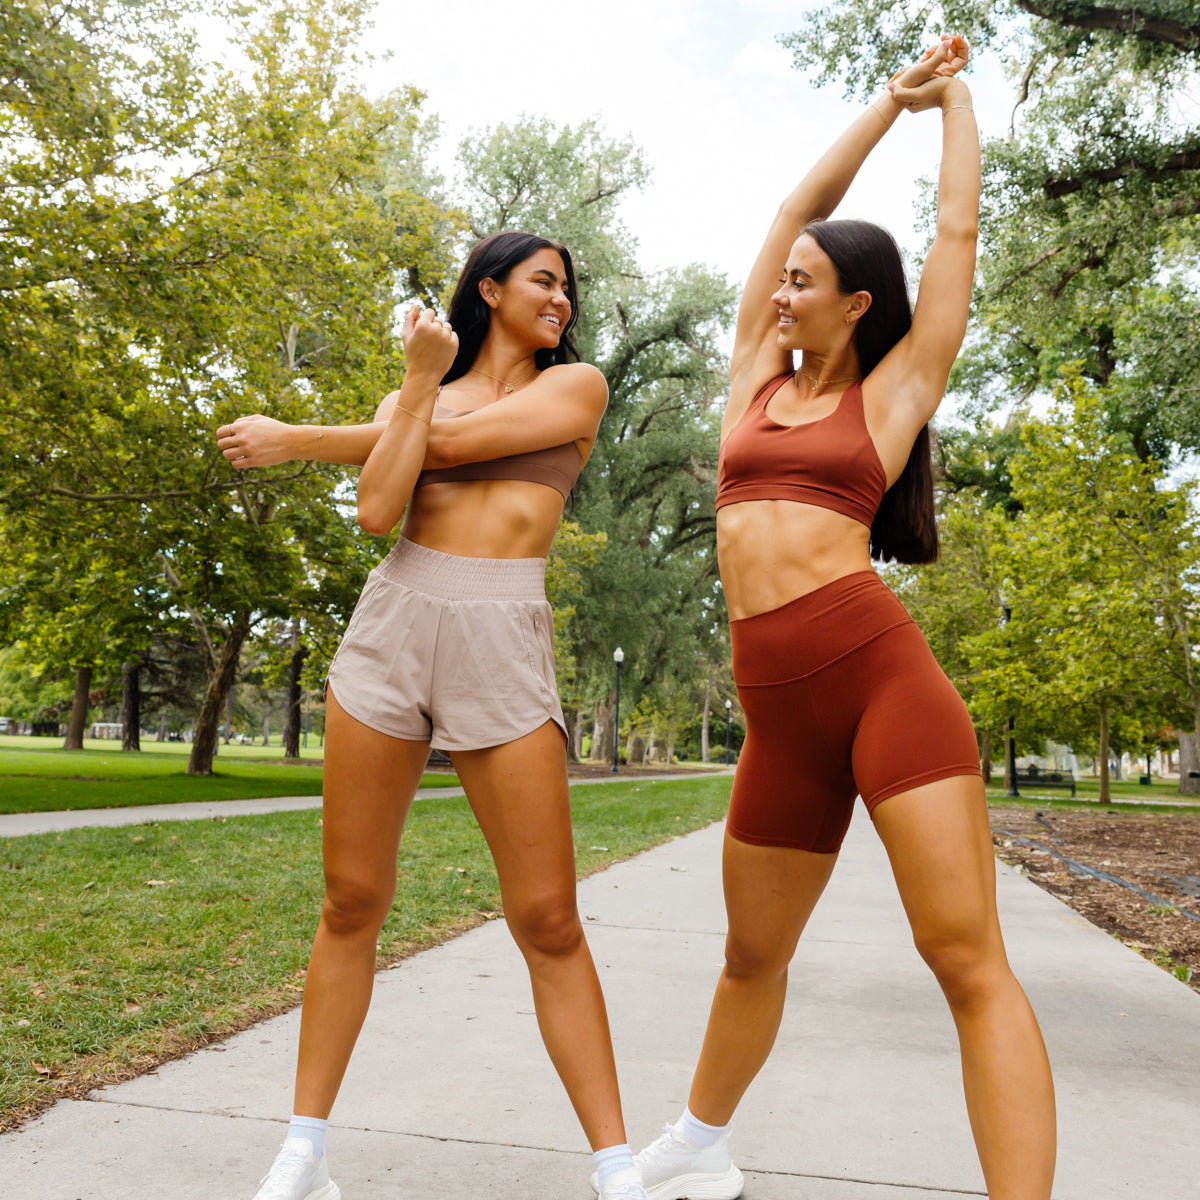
<point>131,706</point>
<point>229,714</point>
<point>267,728</point>
<point>985,755</point>
<point>1105,793</point>
<point>291,727</point>
<point>161,735</point>
<point>708,695</point>
<point>601,748</point>
<point>79,709</point>
<point>577,736</point>
<point>571,719</point>
<point>204,738</point>
<point>1189,764</point>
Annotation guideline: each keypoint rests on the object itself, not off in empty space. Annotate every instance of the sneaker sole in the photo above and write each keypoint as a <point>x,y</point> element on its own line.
<point>699,1186</point>
<point>330,1191</point>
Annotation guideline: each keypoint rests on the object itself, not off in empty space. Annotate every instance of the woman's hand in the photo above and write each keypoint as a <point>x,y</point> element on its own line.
<point>256,441</point>
<point>926,84</point>
<point>430,345</point>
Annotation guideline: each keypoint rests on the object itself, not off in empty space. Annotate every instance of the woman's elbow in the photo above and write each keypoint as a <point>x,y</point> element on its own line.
<point>373,521</point>
<point>961,229</point>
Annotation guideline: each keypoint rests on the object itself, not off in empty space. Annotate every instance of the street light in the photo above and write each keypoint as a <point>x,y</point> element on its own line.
<point>618,658</point>
<point>1011,747</point>
<point>728,728</point>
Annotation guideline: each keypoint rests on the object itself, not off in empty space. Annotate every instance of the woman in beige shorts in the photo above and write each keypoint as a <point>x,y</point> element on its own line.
<point>451,645</point>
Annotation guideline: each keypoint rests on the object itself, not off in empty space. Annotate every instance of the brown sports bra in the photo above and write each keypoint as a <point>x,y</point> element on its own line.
<point>831,462</point>
<point>556,466</point>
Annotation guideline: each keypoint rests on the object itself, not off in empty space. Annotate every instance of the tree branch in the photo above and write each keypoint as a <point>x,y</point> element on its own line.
<point>1122,18</point>
<point>1187,159</point>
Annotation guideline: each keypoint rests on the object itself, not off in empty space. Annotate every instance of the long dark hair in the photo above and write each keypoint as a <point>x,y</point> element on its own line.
<point>867,259</point>
<point>469,314</point>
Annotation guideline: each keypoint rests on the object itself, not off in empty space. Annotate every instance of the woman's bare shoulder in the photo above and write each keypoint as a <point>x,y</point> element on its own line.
<point>577,375</point>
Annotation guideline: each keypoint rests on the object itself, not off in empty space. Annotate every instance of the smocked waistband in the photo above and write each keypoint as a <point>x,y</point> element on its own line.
<point>453,577</point>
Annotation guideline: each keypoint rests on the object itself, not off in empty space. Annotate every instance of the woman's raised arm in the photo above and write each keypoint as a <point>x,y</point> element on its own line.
<point>755,355</point>
<point>913,375</point>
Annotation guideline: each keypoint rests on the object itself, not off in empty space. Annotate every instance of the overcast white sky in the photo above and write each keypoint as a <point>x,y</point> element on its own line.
<point>702,85</point>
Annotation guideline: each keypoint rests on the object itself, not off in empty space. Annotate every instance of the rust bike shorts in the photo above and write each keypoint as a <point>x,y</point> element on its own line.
<point>842,697</point>
<point>454,651</point>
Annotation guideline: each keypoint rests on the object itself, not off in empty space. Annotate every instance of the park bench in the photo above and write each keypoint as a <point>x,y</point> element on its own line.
<point>1035,778</point>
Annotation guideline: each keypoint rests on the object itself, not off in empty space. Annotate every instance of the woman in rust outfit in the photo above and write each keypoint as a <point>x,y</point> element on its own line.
<point>825,466</point>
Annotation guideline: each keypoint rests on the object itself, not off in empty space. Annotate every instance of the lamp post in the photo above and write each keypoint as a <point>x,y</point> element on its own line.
<point>1011,745</point>
<point>618,658</point>
<point>728,729</point>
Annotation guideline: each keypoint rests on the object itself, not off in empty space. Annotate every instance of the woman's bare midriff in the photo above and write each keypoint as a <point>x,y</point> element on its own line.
<point>484,518</point>
<point>772,551</point>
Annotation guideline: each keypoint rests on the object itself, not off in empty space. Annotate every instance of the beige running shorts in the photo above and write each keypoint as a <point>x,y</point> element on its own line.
<point>455,651</point>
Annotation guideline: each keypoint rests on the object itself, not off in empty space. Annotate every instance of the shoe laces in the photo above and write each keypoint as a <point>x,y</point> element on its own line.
<point>669,1139</point>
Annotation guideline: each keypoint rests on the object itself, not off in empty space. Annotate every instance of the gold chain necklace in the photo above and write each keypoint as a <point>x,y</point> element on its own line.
<point>508,387</point>
<point>819,384</point>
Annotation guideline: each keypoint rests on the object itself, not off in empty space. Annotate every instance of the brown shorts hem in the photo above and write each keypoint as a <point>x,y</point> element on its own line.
<point>786,843</point>
<point>950,771</point>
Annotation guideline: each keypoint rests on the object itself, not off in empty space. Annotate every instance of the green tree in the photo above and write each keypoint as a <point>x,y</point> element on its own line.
<point>1089,223</point>
<point>651,480</point>
<point>1099,572</point>
<point>254,270</point>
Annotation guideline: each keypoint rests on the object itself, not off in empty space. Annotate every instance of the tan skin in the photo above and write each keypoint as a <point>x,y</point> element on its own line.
<point>771,551</point>
<point>517,791</point>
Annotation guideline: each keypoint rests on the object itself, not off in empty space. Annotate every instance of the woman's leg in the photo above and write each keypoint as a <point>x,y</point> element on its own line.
<point>940,846</point>
<point>770,892</point>
<point>370,780</point>
<point>519,794</point>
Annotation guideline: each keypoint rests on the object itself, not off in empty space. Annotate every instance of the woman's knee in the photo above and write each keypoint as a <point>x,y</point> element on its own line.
<point>968,966</point>
<point>356,905</point>
<point>755,957</point>
<point>547,925</point>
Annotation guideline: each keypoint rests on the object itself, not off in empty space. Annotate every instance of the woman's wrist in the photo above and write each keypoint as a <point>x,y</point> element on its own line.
<point>956,96</point>
<point>886,108</point>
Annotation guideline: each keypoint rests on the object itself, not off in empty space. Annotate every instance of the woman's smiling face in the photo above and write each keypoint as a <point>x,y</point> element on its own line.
<point>534,299</point>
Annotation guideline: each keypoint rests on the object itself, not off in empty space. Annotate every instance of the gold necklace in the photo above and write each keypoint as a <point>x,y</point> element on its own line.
<point>819,384</point>
<point>508,387</point>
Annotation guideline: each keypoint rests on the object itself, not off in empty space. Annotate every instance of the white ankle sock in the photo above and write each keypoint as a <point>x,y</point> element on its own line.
<point>312,1128</point>
<point>697,1132</point>
<point>612,1159</point>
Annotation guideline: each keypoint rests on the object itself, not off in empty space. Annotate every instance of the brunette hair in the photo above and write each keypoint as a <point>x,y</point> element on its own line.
<point>866,258</point>
<point>469,314</point>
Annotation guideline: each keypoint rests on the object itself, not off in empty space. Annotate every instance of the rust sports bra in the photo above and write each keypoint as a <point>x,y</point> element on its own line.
<point>831,462</point>
<point>556,466</point>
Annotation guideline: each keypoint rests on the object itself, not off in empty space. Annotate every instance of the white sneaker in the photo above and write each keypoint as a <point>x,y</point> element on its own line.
<point>623,1185</point>
<point>297,1174</point>
<point>675,1169</point>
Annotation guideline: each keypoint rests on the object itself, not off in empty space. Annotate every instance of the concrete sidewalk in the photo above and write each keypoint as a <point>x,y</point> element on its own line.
<point>450,1093</point>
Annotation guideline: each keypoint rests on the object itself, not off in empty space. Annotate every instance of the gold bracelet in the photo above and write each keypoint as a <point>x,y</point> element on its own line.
<point>880,115</point>
<point>952,107</point>
<point>413,414</point>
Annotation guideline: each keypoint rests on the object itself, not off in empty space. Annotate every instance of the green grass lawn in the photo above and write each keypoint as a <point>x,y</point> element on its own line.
<point>1087,794</point>
<point>123,947</point>
<point>37,775</point>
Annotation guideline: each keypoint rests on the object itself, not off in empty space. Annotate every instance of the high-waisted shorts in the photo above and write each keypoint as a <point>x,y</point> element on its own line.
<point>842,698</point>
<point>455,651</point>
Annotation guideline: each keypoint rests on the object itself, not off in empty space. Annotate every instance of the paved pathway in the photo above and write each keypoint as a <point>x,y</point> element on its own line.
<point>18,824</point>
<point>450,1093</point>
